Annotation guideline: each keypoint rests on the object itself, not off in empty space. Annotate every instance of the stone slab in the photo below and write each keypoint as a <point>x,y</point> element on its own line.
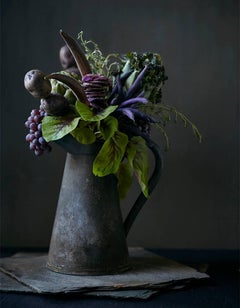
<point>149,274</point>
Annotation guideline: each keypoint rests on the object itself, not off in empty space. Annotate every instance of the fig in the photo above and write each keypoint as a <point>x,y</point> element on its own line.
<point>66,58</point>
<point>36,84</point>
<point>55,104</point>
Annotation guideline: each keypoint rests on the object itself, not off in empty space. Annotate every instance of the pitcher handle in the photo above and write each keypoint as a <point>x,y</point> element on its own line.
<point>141,200</point>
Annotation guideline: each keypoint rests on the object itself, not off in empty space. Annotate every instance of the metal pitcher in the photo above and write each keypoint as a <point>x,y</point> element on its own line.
<point>89,235</point>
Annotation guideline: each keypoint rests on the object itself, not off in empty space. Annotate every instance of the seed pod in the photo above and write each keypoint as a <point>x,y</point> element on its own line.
<point>73,84</point>
<point>55,104</point>
<point>36,84</point>
<point>66,58</point>
<point>79,56</point>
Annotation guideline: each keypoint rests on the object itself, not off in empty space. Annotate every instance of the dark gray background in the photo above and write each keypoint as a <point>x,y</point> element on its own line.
<point>196,202</point>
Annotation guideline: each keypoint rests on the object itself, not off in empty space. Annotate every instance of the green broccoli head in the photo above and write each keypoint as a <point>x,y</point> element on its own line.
<point>155,77</point>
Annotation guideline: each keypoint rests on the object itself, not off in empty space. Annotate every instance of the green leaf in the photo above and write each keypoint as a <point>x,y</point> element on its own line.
<point>57,87</point>
<point>140,163</point>
<point>131,152</point>
<point>88,115</point>
<point>54,128</point>
<point>110,155</point>
<point>83,133</point>
<point>131,79</point>
<point>70,96</point>
<point>125,179</point>
<point>108,127</point>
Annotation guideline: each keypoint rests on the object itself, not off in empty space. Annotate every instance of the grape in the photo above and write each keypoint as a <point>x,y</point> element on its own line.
<point>37,134</point>
<point>32,146</point>
<point>35,112</point>
<point>30,137</point>
<point>36,141</point>
<point>41,140</point>
<point>38,152</point>
<point>37,118</point>
<point>33,126</point>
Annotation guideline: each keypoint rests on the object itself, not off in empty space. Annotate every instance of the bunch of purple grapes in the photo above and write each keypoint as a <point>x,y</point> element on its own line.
<point>36,141</point>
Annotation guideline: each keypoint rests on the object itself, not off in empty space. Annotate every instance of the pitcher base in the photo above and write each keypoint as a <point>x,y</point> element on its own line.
<point>88,271</point>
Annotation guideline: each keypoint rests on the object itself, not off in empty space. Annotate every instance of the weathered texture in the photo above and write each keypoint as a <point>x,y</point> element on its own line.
<point>149,273</point>
<point>88,236</point>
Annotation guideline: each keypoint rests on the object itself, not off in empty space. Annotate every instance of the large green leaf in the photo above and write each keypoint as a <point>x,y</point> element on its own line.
<point>110,155</point>
<point>54,128</point>
<point>125,179</point>
<point>140,163</point>
<point>108,127</point>
<point>83,134</point>
<point>131,152</point>
<point>88,115</point>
